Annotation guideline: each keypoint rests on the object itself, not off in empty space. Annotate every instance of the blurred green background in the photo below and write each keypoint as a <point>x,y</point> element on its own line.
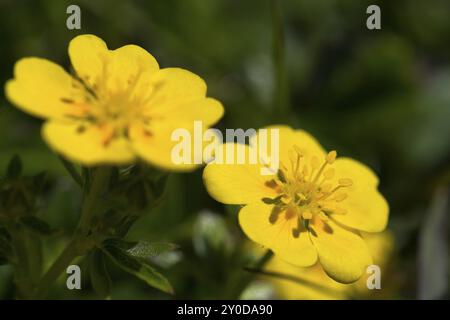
<point>380,96</point>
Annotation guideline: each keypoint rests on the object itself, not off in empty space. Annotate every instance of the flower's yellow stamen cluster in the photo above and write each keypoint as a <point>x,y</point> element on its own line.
<point>306,191</point>
<point>112,110</point>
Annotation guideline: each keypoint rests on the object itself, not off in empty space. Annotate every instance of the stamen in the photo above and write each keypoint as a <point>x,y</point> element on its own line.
<point>329,174</point>
<point>281,176</point>
<point>320,172</point>
<point>331,157</point>
<point>298,150</point>
<point>314,163</point>
<point>326,187</point>
<point>307,215</point>
<point>292,158</point>
<point>305,172</point>
<point>345,182</point>
<point>340,197</point>
<point>286,199</point>
<point>323,216</point>
<point>339,211</point>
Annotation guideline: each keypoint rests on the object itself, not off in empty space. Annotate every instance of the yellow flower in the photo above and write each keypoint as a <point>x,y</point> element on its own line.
<point>118,106</point>
<point>312,209</point>
<point>318,286</point>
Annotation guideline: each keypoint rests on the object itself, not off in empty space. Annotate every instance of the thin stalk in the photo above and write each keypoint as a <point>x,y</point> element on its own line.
<point>98,186</point>
<point>22,266</point>
<point>261,262</point>
<point>80,244</point>
<point>60,264</point>
<point>72,171</point>
<point>281,92</point>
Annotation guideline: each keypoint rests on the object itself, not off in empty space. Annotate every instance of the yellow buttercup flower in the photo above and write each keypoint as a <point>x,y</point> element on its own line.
<point>317,285</point>
<point>311,209</point>
<point>118,106</point>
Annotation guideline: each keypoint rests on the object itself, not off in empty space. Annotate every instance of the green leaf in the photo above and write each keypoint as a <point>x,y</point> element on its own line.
<point>14,167</point>
<point>39,181</point>
<point>100,280</point>
<point>118,243</point>
<point>37,225</point>
<point>159,186</point>
<point>72,170</point>
<point>145,250</point>
<point>140,270</point>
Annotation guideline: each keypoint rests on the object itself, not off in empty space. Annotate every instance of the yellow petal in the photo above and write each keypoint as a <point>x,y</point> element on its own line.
<point>342,253</point>
<point>381,246</point>
<point>367,210</point>
<point>175,84</point>
<point>39,87</point>
<point>127,66</point>
<point>259,224</point>
<point>237,183</point>
<point>289,141</point>
<point>86,146</point>
<point>308,145</point>
<point>88,54</point>
<point>154,145</point>
<point>181,113</point>
<point>313,283</point>
<point>285,141</point>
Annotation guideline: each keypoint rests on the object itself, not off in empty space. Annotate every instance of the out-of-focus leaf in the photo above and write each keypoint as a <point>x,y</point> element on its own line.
<point>100,279</point>
<point>14,167</point>
<point>258,291</point>
<point>211,235</point>
<point>37,225</point>
<point>139,269</point>
<point>433,249</point>
<point>144,249</point>
<point>5,247</point>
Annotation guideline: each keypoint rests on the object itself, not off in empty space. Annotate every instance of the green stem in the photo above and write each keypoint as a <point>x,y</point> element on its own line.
<point>80,243</point>
<point>257,265</point>
<point>281,93</point>
<point>263,260</point>
<point>22,274</point>
<point>60,264</point>
<point>34,250</point>
<point>98,186</point>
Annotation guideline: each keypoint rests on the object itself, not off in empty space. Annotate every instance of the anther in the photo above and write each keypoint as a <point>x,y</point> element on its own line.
<point>323,216</point>
<point>307,215</point>
<point>298,150</point>
<point>340,197</point>
<point>345,182</point>
<point>286,199</point>
<point>331,156</point>
<point>339,211</point>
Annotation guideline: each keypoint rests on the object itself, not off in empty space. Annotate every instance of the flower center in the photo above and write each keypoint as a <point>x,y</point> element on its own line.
<point>112,109</point>
<point>306,189</point>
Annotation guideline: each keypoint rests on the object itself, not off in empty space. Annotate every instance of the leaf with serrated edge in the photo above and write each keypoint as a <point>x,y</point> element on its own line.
<point>138,269</point>
<point>144,249</point>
